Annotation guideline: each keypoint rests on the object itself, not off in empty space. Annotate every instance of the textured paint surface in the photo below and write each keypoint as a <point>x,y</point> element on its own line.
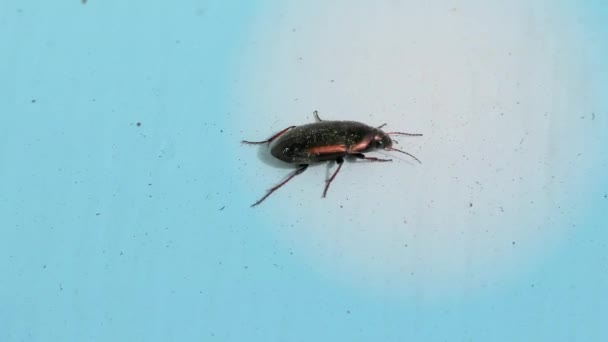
<point>125,193</point>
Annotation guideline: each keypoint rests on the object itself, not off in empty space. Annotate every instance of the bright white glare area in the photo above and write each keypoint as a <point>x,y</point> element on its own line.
<point>494,88</point>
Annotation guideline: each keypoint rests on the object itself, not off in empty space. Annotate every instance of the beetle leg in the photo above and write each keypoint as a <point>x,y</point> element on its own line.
<point>269,140</point>
<point>316,114</point>
<point>373,159</point>
<point>301,169</point>
<point>340,161</point>
<point>384,124</point>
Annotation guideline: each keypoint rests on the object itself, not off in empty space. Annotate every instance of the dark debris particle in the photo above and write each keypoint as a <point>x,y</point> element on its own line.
<point>33,100</point>
<point>97,214</point>
<point>470,205</point>
<point>84,2</point>
<point>222,208</point>
<point>138,124</point>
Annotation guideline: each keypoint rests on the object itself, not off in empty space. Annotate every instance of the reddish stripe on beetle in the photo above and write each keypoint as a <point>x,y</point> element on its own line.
<point>327,149</point>
<point>360,146</point>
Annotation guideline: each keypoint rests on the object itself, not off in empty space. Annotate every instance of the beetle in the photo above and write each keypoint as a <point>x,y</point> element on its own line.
<point>326,141</point>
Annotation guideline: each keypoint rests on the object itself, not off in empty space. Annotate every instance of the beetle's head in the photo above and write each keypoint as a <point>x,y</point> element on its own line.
<point>382,141</point>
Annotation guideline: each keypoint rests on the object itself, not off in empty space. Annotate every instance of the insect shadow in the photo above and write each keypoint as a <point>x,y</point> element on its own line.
<point>268,159</point>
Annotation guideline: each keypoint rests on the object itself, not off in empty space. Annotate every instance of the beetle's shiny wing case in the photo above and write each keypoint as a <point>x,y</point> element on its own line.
<point>320,141</point>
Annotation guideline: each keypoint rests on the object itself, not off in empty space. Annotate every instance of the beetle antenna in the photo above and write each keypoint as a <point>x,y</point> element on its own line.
<point>402,133</point>
<point>411,155</point>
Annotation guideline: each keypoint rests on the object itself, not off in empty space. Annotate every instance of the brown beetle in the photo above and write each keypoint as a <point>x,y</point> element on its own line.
<point>327,141</point>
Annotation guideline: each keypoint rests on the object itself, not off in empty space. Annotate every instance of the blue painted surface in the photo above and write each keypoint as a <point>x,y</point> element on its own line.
<point>124,194</point>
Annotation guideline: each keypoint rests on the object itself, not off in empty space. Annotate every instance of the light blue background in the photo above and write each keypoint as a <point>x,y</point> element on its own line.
<point>110,231</point>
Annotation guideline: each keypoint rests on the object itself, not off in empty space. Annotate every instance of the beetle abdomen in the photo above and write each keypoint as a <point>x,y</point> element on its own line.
<point>320,141</point>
